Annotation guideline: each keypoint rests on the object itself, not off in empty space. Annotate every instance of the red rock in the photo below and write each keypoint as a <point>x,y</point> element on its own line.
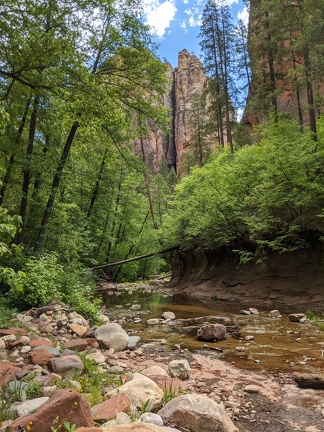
<point>175,385</point>
<point>7,372</point>
<point>13,344</point>
<point>210,332</point>
<point>93,343</point>
<point>12,330</point>
<point>63,405</point>
<point>76,344</point>
<point>40,357</point>
<point>40,342</point>
<point>110,408</point>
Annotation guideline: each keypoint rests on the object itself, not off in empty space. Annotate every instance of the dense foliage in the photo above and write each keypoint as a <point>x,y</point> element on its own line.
<point>269,196</point>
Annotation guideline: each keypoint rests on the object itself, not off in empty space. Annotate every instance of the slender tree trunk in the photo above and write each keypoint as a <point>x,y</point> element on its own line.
<point>112,231</point>
<point>95,191</point>
<point>27,171</point>
<point>37,181</point>
<point>227,105</point>
<point>300,111</point>
<point>55,185</point>
<point>11,161</point>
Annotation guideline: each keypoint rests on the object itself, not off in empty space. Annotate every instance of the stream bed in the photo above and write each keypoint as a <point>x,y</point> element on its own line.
<point>278,345</point>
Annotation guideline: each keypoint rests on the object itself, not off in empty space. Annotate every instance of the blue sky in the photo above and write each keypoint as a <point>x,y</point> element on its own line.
<point>176,24</point>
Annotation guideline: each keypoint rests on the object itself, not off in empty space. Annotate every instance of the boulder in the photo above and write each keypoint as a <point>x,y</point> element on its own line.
<point>296,317</point>
<point>133,341</point>
<point>154,371</point>
<point>211,332</point>
<point>62,405</point>
<point>140,390</point>
<point>179,369</point>
<point>168,315</point>
<point>151,418</point>
<point>7,372</point>
<point>65,365</point>
<point>112,335</point>
<point>197,413</point>
<point>30,406</point>
<point>40,357</point>
<point>110,408</point>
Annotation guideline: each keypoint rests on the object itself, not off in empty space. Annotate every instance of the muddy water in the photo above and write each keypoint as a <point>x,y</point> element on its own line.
<point>278,345</point>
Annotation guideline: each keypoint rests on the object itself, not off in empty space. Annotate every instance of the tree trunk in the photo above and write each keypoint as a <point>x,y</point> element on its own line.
<point>95,191</point>
<point>310,95</point>
<point>11,161</point>
<point>27,171</point>
<point>55,185</point>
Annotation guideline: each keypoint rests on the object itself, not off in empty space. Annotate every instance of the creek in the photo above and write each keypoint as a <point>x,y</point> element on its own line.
<point>278,345</point>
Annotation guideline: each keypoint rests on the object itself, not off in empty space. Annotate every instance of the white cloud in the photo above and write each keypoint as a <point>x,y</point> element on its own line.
<point>244,16</point>
<point>159,15</point>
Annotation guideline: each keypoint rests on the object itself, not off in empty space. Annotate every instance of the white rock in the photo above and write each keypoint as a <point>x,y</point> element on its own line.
<point>24,340</point>
<point>151,418</point>
<point>168,315</point>
<point>96,356</point>
<point>154,371</point>
<point>179,369</point>
<point>274,313</point>
<point>112,335</point>
<point>30,406</point>
<point>152,321</point>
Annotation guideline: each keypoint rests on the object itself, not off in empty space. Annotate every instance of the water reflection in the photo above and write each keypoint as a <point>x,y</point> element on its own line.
<point>277,344</point>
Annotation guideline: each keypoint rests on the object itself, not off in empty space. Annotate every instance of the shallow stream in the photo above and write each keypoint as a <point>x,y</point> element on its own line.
<point>278,345</point>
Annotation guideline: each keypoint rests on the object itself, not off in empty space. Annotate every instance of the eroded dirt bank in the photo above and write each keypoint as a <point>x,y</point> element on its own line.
<point>288,282</point>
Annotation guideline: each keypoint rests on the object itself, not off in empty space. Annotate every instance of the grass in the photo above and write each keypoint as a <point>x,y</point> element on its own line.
<point>315,320</point>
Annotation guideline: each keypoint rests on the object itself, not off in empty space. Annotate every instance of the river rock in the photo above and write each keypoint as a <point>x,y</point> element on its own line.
<point>76,344</point>
<point>197,413</point>
<point>96,356</point>
<point>254,311</point>
<point>274,313</point>
<point>168,315</point>
<point>211,332</point>
<point>63,404</point>
<point>308,380</point>
<point>110,408</point>
<point>136,307</point>
<point>137,427</point>
<point>52,350</point>
<point>251,388</point>
<point>40,357</point>
<point>151,418</point>
<point>112,335</point>
<point>296,317</point>
<point>140,390</point>
<point>152,321</point>
<point>154,371</point>
<point>76,318</point>
<point>30,406</point>
<point>65,365</point>
<point>7,372</point>
<point>79,330</point>
<point>40,342</point>
<point>133,341</point>
<point>245,312</point>
<point>179,369</point>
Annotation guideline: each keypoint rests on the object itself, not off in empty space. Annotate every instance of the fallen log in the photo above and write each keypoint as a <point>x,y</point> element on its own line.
<point>135,258</point>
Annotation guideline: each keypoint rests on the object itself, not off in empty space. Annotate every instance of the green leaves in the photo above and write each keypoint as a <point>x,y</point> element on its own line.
<point>270,194</point>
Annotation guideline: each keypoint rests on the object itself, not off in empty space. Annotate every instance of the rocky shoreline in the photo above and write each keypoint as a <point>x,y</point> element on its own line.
<point>103,379</point>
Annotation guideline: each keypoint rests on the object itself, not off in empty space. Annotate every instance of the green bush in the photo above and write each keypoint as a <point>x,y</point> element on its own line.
<point>42,284</point>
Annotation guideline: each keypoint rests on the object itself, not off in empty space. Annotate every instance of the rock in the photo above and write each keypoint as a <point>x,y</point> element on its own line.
<point>296,317</point>
<point>47,327</point>
<point>62,405</point>
<point>136,307</point>
<point>52,350</point>
<point>133,341</point>
<point>2,344</point>
<point>9,338</point>
<point>76,344</point>
<point>40,357</point>
<point>79,330</point>
<point>211,332</point>
<point>104,319</point>
<point>74,317</point>
<point>40,342</point>
<point>65,365</point>
<point>112,335</point>
<point>140,390</point>
<point>13,331</point>
<point>245,312</point>
<point>274,313</point>
<point>308,380</point>
<point>179,369</point>
<point>168,315</point>
<point>7,372</point>
<point>197,413</point>
<point>249,338</point>
<point>240,349</point>
<point>25,340</point>
<point>30,406</point>
<point>154,371</point>
<point>151,418</point>
<point>137,427</point>
<point>152,321</point>
<point>251,388</point>
<point>254,311</point>
<point>49,390</point>
<point>303,320</point>
<point>96,356</point>
<point>110,408</point>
